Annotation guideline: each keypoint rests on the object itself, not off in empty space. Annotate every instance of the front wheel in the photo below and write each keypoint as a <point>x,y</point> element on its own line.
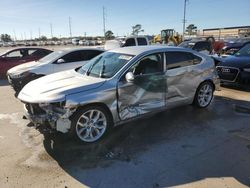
<point>204,95</point>
<point>90,124</point>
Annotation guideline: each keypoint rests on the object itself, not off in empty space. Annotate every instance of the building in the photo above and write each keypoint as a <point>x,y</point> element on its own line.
<point>241,31</point>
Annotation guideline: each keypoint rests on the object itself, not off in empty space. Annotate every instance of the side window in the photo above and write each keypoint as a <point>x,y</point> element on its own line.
<point>201,46</point>
<point>196,59</point>
<point>130,42</point>
<point>181,59</point>
<point>32,52</point>
<point>148,65</point>
<point>15,54</point>
<point>90,54</point>
<point>72,57</point>
<point>142,41</point>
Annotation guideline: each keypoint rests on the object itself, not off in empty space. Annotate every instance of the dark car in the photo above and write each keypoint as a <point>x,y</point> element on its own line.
<point>236,68</point>
<point>202,46</point>
<point>231,46</point>
<point>18,56</point>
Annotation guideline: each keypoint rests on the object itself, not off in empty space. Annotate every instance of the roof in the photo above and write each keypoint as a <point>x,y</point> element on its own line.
<point>136,50</point>
<point>239,27</point>
<point>66,50</point>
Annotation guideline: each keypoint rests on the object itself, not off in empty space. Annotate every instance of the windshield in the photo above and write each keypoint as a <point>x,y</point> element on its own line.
<point>105,65</point>
<point>51,57</point>
<point>244,51</point>
<point>187,44</point>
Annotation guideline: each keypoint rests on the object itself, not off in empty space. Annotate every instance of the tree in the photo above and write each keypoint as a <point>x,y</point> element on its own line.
<point>43,38</point>
<point>109,35</point>
<point>191,29</point>
<point>54,38</point>
<point>137,29</point>
<point>5,38</point>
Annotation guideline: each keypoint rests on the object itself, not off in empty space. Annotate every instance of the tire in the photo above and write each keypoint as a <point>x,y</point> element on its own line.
<point>90,124</point>
<point>204,95</point>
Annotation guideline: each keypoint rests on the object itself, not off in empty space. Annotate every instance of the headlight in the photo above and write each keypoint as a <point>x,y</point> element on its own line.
<point>22,75</point>
<point>246,69</point>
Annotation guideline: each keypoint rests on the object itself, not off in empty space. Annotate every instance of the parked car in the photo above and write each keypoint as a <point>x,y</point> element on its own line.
<point>84,42</point>
<point>118,86</point>
<point>235,68</point>
<point>57,61</point>
<point>75,41</point>
<point>231,46</point>
<point>129,41</point>
<point>202,46</point>
<point>19,56</point>
<point>136,41</point>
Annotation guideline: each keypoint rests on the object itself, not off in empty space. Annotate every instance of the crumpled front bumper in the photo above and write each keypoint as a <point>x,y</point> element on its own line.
<point>60,122</point>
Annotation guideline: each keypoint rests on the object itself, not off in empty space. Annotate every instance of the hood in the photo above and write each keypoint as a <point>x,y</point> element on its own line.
<point>234,61</point>
<point>55,87</point>
<point>24,67</point>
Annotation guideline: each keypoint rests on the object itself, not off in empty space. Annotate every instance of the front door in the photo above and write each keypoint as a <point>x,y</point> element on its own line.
<point>146,93</point>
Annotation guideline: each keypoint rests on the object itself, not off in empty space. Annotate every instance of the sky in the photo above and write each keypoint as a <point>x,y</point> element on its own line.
<point>24,18</point>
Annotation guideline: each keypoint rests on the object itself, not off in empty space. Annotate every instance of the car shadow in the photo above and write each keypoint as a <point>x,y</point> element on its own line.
<point>126,143</point>
<point>236,87</point>
<point>4,82</point>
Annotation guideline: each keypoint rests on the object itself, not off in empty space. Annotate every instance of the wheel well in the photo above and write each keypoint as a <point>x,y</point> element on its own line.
<point>100,105</point>
<point>210,81</point>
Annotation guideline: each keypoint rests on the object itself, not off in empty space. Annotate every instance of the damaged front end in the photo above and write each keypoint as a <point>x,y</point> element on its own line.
<point>56,115</point>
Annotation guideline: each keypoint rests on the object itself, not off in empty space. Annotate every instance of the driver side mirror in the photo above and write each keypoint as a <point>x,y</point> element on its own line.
<point>130,77</point>
<point>59,61</point>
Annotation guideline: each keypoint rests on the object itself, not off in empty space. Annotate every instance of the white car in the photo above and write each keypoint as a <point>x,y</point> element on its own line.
<point>57,61</point>
<point>129,41</point>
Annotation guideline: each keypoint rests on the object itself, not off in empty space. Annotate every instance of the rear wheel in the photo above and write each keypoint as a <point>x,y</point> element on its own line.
<point>90,124</point>
<point>204,95</point>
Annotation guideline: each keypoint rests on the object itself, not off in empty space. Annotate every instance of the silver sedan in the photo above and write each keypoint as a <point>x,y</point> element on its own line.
<point>119,86</point>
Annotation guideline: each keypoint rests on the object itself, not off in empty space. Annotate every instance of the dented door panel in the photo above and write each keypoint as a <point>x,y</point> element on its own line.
<point>144,95</point>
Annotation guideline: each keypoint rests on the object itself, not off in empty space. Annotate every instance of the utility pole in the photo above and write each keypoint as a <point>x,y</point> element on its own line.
<point>184,19</point>
<point>104,22</point>
<point>39,33</point>
<point>14,34</point>
<point>70,32</point>
<point>25,36</point>
<point>31,35</point>
<point>51,30</point>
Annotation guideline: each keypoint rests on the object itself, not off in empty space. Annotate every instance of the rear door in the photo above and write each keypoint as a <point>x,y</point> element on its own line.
<point>182,77</point>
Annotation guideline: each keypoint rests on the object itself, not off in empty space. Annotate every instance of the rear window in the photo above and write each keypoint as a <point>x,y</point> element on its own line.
<point>142,41</point>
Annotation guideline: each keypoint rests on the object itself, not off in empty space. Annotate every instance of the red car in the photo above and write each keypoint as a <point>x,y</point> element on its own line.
<point>18,56</point>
